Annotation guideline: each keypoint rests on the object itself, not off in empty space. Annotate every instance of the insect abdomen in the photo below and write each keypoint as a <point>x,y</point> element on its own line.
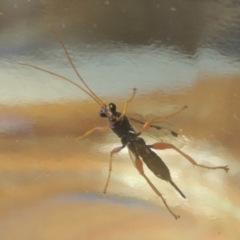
<point>158,167</point>
<point>156,164</point>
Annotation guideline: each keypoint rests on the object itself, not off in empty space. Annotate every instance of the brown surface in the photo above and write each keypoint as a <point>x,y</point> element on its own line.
<point>40,165</point>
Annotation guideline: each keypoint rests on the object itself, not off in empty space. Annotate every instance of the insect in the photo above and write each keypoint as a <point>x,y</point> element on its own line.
<point>119,123</point>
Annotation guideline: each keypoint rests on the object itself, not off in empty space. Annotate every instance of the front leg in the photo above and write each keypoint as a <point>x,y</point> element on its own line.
<point>126,106</point>
<point>163,146</point>
<point>100,129</point>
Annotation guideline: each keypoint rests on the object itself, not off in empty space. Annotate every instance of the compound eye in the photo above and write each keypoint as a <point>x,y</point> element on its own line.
<point>102,114</point>
<point>112,107</point>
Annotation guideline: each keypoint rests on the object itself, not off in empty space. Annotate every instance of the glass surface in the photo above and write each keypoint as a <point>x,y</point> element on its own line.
<point>175,53</point>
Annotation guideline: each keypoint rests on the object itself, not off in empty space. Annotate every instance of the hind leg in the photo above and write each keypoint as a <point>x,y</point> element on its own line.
<point>163,146</point>
<point>139,166</point>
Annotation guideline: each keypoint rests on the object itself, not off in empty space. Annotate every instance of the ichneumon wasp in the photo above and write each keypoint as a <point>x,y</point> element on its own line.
<point>121,125</point>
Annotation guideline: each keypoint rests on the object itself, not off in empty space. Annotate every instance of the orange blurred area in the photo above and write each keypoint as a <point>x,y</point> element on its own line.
<point>51,185</point>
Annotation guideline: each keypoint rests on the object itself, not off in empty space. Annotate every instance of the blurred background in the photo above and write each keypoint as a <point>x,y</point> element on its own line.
<point>176,53</point>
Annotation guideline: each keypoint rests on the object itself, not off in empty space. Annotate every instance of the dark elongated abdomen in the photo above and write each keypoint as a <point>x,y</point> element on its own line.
<point>139,148</point>
<point>158,167</point>
<point>155,164</point>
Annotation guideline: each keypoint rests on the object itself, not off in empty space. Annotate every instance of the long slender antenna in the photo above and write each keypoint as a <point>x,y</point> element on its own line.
<point>66,79</point>
<point>73,66</point>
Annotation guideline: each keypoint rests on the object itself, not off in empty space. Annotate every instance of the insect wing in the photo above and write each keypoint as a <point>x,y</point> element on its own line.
<point>160,131</point>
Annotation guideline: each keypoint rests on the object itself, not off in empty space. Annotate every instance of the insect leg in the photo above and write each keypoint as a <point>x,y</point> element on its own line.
<point>163,146</point>
<point>139,166</point>
<point>101,129</point>
<point>115,150</point>
<point>126,105</point>
<point>149,122</point>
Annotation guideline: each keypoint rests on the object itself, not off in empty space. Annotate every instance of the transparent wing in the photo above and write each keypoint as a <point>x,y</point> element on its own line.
<point>161,131</point>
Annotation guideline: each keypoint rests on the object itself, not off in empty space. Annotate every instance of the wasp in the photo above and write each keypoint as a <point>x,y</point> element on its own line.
<point>121,125</point>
